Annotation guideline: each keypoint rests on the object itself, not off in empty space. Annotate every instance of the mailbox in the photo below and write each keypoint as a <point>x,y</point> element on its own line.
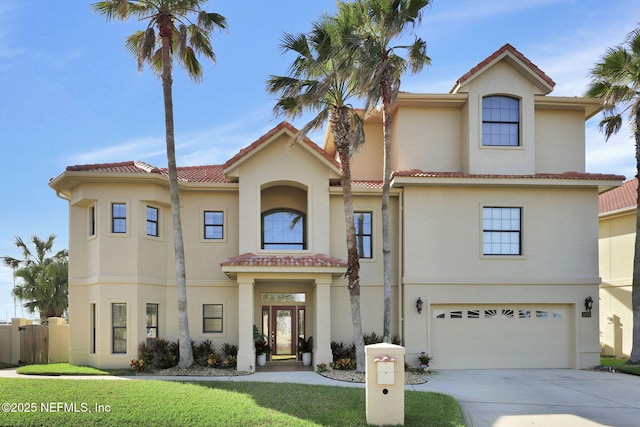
<point>384,385</point>
<point>385,367</point>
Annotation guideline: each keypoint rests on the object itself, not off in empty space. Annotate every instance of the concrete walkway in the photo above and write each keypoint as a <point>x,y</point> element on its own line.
<point>498,398</point>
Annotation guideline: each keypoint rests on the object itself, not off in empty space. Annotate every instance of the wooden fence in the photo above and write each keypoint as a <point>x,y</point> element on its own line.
<point>34,344</point>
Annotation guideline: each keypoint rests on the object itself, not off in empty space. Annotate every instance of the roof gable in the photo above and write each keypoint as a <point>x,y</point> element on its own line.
<point>284,128</point>
<point>517,61</point>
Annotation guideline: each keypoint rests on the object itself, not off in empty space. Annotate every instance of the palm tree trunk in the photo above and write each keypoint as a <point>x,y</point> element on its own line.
<point>387,119</point>
<point>341,137</point>
<point>635,288</point>
<point>186,355</point>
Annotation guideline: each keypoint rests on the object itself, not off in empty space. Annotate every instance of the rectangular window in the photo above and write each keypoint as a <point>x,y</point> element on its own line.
<point>119,327</point>
<point>362,223</point>
<point>152,221</point>
<point>118,218</point>
<point>501,231</point>
<point>152,323</point>
<point>214,225</point>
<point>92,220</point>
<point>212,318</point>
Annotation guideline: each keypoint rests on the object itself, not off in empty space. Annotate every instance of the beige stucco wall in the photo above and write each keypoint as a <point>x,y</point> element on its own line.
<point>445,245</point>
<point>559,141</point>
<point>502,80</point>
<point>616,244</point>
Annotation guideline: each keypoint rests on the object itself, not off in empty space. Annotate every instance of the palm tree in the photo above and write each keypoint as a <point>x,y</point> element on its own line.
<point>379,70</point>
<point>318,82</point>
<point>44,285</point>
<point>183,30</point>
<point>616,80</point>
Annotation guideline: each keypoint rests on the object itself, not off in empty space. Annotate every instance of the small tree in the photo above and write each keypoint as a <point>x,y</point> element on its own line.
<point>44,279</point>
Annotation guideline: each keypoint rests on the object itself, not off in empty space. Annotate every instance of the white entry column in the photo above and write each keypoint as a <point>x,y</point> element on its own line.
<point>322,340</point>
<point>246,347</point>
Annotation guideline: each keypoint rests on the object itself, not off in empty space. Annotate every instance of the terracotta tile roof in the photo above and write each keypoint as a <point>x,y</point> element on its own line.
<point>283,125</point>
<point>122,167</point>
<point>506,48</point>
<point>209,173</point>
<point>566,175</point>
<point>625,196</point>
<point>253,260</point>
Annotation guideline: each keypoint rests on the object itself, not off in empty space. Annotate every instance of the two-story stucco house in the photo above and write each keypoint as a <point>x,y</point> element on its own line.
<point>494,229</point>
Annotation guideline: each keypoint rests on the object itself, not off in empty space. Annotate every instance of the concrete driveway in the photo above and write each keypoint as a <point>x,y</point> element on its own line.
<point>541,397</point>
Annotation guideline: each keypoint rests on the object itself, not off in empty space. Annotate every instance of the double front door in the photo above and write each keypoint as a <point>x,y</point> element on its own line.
<point>283,324</point>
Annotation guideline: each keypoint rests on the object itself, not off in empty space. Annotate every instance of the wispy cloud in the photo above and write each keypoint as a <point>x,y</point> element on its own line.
<point>479,10</point>
<point>617,155</point>
<point>211,145</point>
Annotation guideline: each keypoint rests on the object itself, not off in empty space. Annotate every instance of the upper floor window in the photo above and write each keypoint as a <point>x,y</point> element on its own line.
<point>152,221</point>
<point>284,229</point>
<point>362,224</point>
<point>118,218</point>
<point>501,231</point>
<point>500,121</point>
<point>213,225</point>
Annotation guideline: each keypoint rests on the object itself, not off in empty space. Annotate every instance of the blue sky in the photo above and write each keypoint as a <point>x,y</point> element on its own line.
<point>71,94</point>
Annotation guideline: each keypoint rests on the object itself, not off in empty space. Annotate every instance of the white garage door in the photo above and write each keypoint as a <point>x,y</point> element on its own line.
<point>501,336</point>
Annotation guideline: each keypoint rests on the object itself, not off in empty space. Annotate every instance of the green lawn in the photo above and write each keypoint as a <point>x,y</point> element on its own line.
<point>214,403</point>
<point>60,369</point>
<point>620,366</point>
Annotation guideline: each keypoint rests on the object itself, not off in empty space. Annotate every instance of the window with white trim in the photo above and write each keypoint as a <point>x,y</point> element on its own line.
<point>501,231</point>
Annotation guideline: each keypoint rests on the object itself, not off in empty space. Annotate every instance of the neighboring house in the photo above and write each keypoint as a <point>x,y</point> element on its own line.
<point>618,210</point>
<point>494,228</point>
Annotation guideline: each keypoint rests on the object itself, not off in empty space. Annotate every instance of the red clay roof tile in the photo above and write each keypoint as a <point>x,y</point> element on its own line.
<point>566,175</point>
<point>497,53</point>
<point>625,196</point>
<point>253,260</point>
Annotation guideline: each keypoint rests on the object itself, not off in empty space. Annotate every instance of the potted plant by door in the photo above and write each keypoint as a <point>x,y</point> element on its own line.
<point>305,347</point>
<point>262,347</point>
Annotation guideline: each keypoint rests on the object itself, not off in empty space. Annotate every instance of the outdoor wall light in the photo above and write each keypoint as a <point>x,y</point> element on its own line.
<point>419,305</point>
<point>588,304</point>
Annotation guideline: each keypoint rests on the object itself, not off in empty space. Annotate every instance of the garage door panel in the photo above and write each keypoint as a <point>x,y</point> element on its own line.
<point>500,336</point>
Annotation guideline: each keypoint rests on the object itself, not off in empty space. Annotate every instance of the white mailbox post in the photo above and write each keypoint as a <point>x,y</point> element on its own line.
<point>384,384</point>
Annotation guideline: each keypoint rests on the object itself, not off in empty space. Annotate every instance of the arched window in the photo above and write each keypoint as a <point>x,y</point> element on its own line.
<point>500,121</point>
<point>284,229</point>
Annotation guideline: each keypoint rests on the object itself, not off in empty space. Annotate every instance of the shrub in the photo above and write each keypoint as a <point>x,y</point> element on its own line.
<point>230,362</point>
<point>145,357</point>
<point>164,354</point>
<point>371,338</point>
<point>203,352</point>
<point>340,350</point>
<point>343,364</point>
<point>230,349</point>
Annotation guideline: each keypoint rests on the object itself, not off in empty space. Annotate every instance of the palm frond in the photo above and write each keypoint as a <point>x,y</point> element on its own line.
<point>610,125</point>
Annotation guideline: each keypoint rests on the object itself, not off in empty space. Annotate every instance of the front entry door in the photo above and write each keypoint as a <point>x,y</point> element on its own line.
<point>283,331</point>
